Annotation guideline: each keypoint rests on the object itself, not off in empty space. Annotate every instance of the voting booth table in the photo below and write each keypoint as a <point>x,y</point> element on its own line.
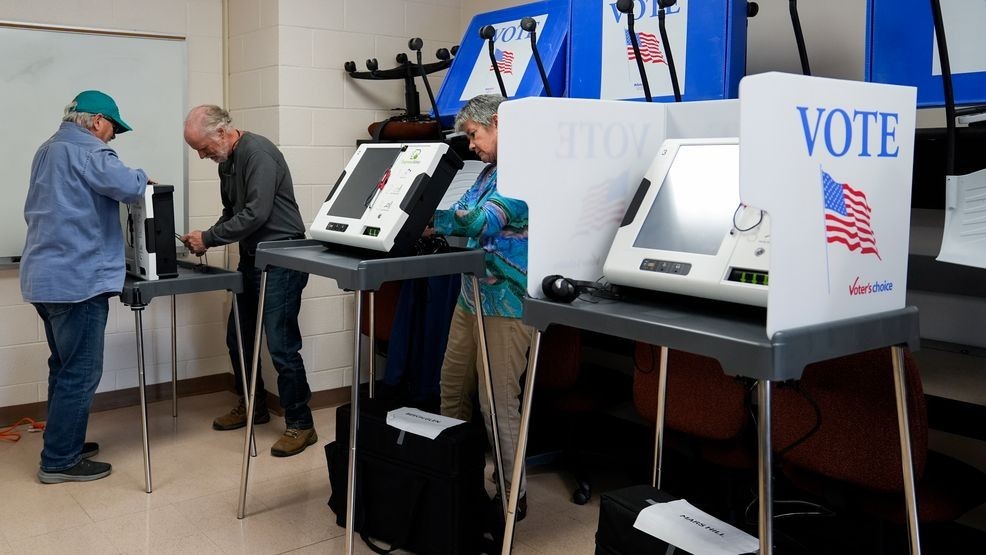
<point>365,235</point>
<point>138,294</point>
<point>353,272</point>
<point>822,159</point>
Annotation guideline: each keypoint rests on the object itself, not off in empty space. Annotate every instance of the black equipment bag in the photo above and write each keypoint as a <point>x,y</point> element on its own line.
<point>618,511</point>
<point>414,493</point>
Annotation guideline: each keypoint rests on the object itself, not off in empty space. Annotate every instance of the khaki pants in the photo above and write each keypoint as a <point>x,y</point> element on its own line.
<point>507,340</point>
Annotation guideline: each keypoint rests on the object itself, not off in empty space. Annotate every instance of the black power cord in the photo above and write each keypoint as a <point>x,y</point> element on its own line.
<point>799,36</point>
<point>946,79</point>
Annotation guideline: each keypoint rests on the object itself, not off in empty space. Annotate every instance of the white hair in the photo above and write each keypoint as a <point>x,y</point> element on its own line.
<point>83,119</point>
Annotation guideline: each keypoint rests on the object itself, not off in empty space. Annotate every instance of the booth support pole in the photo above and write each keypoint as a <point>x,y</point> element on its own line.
<point>251,395</point>
<point>142,386</point>
<point>490,397</point>
<point>174,359</point>
<point>662,390</point>
<point>243,372</point>
<point>353,427</point>
<point>766,489</point>
<point>906,462</point>
<point>525,422</point>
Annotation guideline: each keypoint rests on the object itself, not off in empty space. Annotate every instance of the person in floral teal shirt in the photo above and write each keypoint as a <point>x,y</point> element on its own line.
<point>498,225</point>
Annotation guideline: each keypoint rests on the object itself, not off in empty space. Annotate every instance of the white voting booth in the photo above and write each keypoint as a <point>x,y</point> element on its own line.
<point>831,162</point>
<point>828,162</point>
<point>823,158</point>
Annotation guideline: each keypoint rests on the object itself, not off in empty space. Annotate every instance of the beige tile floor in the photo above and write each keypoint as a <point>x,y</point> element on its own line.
<point>196,474</point>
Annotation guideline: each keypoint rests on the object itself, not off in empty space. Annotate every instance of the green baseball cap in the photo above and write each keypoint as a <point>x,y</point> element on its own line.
<point>96,102</point>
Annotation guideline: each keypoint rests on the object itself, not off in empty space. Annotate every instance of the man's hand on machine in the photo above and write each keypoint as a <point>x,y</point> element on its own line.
<point>428,232</point>
<point>193,240</point>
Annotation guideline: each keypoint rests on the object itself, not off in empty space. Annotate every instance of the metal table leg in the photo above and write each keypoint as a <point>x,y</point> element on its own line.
<point>525,420</point>
<point>906,462</point>
<point>174,360</point>
<point>490,397</point>
<point>138,310</point>
<point>353,426</point>
<point>251,393</point>
<point>243,374</point>
<point>662,390</point>
<point>373,347</point>
<point>766,489</point>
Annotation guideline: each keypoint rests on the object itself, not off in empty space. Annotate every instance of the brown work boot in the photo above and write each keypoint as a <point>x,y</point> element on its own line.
<point>236,418</point>
<point>293,442</point>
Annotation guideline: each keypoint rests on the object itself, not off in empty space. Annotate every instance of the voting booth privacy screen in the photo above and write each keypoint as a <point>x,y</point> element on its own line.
<point>901,48</point>
<point>829,170</point>
<point>472,72</point>
<point>385,196</point>
<point>708,43</point>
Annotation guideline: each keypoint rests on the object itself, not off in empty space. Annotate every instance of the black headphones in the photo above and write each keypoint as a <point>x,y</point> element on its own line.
<point>565,290</point>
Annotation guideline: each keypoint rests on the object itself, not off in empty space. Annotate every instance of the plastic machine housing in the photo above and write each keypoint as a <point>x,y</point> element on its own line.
<point>686,232</point>
<point>149,230</point>
<point>386,195</point>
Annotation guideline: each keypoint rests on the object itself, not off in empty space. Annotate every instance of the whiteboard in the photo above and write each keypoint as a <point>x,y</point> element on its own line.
<point>43,68</point>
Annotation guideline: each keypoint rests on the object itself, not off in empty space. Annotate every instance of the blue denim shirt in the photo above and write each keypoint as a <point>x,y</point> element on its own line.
<point>74,245</point>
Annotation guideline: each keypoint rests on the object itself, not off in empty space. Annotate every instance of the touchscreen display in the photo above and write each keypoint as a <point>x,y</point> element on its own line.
<point>351,199</point>
<point>694,208</point>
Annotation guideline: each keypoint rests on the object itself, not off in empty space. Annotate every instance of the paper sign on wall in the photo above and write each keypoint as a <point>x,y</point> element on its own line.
<point>831,162</point>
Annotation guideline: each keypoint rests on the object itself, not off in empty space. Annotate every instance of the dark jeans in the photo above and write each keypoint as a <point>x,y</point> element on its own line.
<point>75,334</point>
<point>281,307</point>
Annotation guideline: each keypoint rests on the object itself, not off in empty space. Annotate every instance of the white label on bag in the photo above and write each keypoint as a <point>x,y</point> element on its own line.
<point>682,525</point>
<point>419,422</point>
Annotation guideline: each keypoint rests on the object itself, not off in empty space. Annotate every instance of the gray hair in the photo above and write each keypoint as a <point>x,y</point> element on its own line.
<point>83,119</point>
<point>213,119</point>
<point>479,109</point>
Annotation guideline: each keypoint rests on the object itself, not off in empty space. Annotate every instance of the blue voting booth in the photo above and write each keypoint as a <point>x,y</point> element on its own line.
<point>708,40</point>
<point>472,73</point>
<point>901,48</point>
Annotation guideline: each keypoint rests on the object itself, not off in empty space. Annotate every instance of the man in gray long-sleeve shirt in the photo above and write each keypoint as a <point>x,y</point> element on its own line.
<point>258,205</point>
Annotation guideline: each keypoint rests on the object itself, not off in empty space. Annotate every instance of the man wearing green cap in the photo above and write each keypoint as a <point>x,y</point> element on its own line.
<point>71,265</point>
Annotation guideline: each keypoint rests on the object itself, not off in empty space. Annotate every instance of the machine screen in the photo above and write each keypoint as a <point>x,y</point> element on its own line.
<point>351,202</point>
<point>694,208</point>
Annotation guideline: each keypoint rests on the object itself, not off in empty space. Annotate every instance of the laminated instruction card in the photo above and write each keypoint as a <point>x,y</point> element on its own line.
<point>419,422</point>
<point>965,220</point>
<point>682,525</point>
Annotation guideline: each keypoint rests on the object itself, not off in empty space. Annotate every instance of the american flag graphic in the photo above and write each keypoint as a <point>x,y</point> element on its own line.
<point>847,217</point>
<point>604,205</point>
<point>504,60</point>
<point>650,48</point>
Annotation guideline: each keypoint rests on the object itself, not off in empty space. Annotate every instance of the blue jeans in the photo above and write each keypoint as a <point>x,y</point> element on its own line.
<point>281,307</point>
<point>75,333</point>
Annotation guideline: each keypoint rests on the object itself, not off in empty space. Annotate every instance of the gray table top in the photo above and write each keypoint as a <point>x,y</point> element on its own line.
<point>734,335</point>
<point>191,279</point>
<point>363,270</point>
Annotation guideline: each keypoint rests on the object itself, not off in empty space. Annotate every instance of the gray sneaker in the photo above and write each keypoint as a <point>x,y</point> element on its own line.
<point>84,471</point>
